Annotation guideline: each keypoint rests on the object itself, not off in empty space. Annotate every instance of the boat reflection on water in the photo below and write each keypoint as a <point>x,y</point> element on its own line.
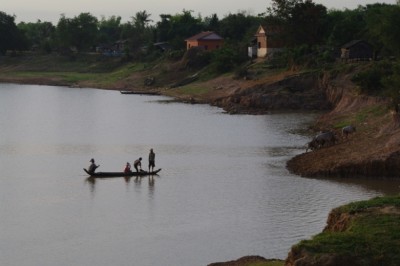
<point>91,180</point>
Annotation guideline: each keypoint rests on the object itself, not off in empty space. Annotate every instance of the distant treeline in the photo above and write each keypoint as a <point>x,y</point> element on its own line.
<point>306,24</point>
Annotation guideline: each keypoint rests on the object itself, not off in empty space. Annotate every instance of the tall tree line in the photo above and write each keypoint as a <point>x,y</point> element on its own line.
<point>305,23</point>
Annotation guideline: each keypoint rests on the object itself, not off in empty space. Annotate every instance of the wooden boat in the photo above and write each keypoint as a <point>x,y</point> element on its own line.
<point>121,174</point>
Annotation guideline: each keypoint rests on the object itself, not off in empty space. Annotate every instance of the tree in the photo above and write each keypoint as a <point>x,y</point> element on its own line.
<point>282,8</point>
<point>163,28</point>
<point>138,32</point>
<point>10,36</point>
<point>183,26</point>
<point>306,23</point>
<point>383,24</point>
<point>39,35</point>
<point>86,31</point>
<point>176,28</point>
<point>212,23</point>
<point>142,31</point>
<point>239,27</point>
<point>109,29</point>
<point>303,22</point>
<point>79,32</point>
<point>344,26</point>
<point>141,20</point>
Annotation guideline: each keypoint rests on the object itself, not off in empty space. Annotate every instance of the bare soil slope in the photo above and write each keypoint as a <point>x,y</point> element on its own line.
<point>372,151</point>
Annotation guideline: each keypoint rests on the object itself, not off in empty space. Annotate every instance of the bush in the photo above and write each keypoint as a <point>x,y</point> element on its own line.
<point>196,57</point>
<point>371,80</point>
<point>241,72</point>
<point>227,58</point>
<point>223,60</point>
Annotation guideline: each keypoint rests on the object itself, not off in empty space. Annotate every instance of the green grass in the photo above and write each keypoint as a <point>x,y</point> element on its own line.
<point>123,72</point>
<point>70,77</point>
<point>372,238</point>
<point>374,111</point>
<point>80,63</point>
<point>375,202</point>
<point>362,116</point>
<point>82,71</point>
<point>342,124</point>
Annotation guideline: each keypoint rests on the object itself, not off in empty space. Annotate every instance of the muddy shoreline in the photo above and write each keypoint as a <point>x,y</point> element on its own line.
<point>372,152</point>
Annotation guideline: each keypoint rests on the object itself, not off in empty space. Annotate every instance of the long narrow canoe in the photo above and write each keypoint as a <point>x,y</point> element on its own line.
<point>121,174</point>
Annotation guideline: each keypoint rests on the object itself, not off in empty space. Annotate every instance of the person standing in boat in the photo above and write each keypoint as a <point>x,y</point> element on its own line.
<point>92,167</point>
<point>138,164</point>
<point>127,168</point>
<point>152,159</point>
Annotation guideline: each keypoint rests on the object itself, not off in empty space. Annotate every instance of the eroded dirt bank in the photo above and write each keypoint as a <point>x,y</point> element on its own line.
<point>284,91</point>
<point>356,231</point>
<point>372,151</point>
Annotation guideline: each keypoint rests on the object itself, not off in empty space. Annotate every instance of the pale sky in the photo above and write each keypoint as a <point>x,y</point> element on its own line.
<point>51,10</point>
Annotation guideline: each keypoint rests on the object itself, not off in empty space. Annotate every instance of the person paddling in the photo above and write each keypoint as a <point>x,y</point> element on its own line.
<point>92,167</point>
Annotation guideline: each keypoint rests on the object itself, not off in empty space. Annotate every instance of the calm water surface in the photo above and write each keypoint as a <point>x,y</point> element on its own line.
<point>223,191</point>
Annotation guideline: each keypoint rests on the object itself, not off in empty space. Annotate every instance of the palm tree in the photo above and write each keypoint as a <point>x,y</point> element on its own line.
<point>141,19</point>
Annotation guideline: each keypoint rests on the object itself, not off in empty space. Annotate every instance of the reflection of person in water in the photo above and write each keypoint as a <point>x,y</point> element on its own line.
<point>127,168</point>
<point>152,159</point>
<point>92,167</point>
<point>151,181</point>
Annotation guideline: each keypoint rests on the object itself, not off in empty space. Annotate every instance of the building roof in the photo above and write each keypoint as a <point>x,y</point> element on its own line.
<point>205,35</point>
<point>269,30</point>
<point>352,43</point>
<point>162,45</point>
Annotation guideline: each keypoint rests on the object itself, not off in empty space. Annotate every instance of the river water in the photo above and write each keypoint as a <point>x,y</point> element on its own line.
<point>223,191</point>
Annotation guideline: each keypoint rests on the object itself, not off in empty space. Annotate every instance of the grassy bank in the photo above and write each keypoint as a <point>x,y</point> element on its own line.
<point>370,234</point>
<point>85,70</point>
<point>359,233</point>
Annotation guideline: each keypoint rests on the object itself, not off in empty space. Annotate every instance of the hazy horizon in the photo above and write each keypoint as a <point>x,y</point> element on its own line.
<point>51,10</point>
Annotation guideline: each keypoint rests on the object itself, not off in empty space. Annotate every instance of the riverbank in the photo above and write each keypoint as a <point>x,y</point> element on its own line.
<point>358,233</point>
<point>373,151</point>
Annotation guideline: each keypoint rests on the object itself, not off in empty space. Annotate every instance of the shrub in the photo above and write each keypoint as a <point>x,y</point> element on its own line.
<point>371,80</point>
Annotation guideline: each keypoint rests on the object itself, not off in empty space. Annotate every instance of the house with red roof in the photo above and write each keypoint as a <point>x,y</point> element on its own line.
<point>208,40</point>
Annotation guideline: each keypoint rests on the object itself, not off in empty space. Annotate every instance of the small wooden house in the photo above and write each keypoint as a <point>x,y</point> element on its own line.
<point>269,40</point>
<point>208,40</point>
<point>356,50</point>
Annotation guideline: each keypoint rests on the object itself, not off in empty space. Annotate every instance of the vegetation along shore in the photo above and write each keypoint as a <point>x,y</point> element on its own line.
<point>342,64</point>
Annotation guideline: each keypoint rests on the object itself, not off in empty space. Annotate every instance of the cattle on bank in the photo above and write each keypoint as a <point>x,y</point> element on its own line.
<point>347,130</point>
<point>312,145</point>
<point>324,139</point>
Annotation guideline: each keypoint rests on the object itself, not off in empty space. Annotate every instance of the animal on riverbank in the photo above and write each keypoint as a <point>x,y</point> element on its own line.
<point>312,145</point>
<point>323,139</point>
<point>347,130</point>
